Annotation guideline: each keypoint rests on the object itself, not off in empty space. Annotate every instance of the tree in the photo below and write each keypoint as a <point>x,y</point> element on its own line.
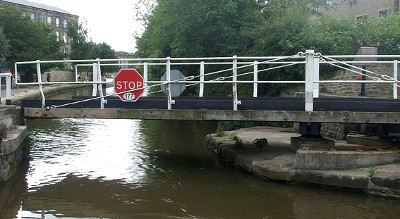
<point>83,48</point>
<point>28,41</point>
<point>198,28</point>
<point>4,47</point>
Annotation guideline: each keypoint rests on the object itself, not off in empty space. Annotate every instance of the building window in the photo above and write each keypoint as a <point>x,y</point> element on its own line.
<point>65,38</point>
<point>58,35</point>
<point>65,50</point>
<point>65,24</point>
<point>383,13</point>
<point>32,16</point>
<point>41,18</point>
<point>57,22</point>
<point>49,21</point>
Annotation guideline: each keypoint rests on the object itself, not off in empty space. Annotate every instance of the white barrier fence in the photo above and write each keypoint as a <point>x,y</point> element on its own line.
<point>310,59</point>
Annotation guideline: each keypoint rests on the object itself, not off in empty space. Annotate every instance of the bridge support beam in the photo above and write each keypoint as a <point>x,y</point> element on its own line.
<point>310,129</point>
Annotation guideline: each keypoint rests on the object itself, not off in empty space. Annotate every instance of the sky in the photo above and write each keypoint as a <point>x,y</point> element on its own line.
<point>111,22</point>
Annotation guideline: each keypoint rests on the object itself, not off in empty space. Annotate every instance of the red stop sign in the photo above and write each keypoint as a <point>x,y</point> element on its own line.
<point>128,85</point>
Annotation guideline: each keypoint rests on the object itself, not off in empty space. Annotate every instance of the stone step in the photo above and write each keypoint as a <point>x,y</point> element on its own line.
<point>12,151</point>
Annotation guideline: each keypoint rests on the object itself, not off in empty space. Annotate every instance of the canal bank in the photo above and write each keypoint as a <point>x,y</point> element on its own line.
<point>375,171</point>
<point>12,130</point>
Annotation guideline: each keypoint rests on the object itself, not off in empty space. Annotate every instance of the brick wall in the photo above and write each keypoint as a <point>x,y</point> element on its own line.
<point>60,76</point>
<point>372,90</point>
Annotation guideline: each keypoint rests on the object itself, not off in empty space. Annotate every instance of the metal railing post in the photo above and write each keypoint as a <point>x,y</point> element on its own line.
<point>8,89</point>
<point>145,78</point>
<point>0,87</point>
<point>201,91</point>
<point>316,77</point>
<point>236,102</point>
<point>255,85</point>
<point>395,76</point>
<point>100,85</point>
<point>309,82</point>
<point>95,69</point>
<point>169,94</point>
<point>39,76</point>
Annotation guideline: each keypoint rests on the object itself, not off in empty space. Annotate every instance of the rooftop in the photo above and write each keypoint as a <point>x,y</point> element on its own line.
<point>37,5</point>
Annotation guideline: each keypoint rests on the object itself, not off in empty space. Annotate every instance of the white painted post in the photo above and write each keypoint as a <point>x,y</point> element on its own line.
<point>201,92</point>
<point>170,101</point>
<point>0,88</point>
<point>316,77</point>
<point>236,102</point>
<point>39,76</point>
<point>145,78</point>
<point>395,75</point>
<point>255,85</point>
<point>95,73</point>
<point>8,89</point>
<point>76,73</point>
<point>100,85</point>
<point>309,86</point>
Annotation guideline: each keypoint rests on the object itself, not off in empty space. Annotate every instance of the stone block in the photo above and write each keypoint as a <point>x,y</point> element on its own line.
<point>300,142</point>
<point>341,160</point>
<point>366,140</point>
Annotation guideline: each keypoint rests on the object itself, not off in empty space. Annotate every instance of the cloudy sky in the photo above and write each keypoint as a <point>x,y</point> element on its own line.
<point>111,22</point>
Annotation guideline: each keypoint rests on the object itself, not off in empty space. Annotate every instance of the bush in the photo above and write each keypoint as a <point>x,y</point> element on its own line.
<point>260,143</point>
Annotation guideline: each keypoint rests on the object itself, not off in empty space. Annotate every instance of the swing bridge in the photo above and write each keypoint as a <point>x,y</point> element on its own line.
<point>234,71</point>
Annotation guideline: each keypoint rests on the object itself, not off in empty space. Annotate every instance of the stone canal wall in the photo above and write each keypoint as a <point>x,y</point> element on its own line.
<point>372,171</point>
<point>12,151</point>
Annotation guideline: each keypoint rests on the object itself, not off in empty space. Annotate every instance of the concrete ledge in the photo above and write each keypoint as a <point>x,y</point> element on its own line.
<point>366,140</point>
<point>15,137</point>
<point>300,142</point>
<point>7,115</point>
<point>329,160</point>
<point>12,152</point>
<point>278,163</point>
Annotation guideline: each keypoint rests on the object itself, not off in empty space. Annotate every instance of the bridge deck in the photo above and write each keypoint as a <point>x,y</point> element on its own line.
<point>343,110</point>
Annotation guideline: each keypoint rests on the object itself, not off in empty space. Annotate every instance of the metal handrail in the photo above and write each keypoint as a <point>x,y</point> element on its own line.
<point>310,59</point>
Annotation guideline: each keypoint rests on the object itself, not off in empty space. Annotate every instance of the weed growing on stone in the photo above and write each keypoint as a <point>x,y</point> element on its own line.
<point>220,131</point>
<point>237,140</point>
<point>372,171</point>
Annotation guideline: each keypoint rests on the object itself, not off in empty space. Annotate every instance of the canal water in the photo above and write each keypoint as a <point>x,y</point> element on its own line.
<point>90,168</point>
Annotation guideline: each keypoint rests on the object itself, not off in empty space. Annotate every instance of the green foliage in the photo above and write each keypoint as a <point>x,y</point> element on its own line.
<point>27,41</point>
<point>83,48</point>
<point>209,28</point>
<point>238,143</point>
<point>4,46</point>
<point>372,171</point>
<point>219,132</point>
<point>260,143</point>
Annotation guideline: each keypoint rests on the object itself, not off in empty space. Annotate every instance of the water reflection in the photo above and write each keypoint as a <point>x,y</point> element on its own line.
<point>156,169</point>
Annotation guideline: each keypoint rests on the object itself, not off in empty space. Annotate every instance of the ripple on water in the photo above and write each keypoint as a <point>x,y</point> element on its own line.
<point>97,149</point>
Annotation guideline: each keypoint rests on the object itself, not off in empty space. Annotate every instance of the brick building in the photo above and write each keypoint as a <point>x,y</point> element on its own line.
<point>360,9</point>
<point>48,15</point>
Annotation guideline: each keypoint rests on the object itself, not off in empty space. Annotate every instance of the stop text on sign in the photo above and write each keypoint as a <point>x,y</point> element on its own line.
<point>129,85</point>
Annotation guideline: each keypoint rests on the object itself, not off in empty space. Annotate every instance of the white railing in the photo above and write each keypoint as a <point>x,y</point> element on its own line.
<point>258,65</point>
<point>6,75</point>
